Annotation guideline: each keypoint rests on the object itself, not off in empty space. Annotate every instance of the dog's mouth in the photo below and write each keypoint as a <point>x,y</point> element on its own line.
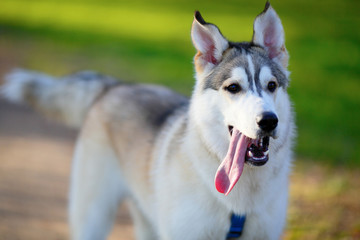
<point>257,151</point>
<point>242,149</point>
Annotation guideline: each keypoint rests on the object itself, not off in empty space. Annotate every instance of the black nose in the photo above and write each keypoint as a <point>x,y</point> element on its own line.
<point>267,121</point>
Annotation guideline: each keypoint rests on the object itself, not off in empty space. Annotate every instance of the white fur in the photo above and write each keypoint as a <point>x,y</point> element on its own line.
<point>266,76</point>
<point>261,193</point>
<point>251,68</point>
<point>240,76</point>
<point>96,189</point>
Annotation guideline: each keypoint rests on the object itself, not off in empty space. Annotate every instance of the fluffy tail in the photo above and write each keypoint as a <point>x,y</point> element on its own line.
<point>65,99</point>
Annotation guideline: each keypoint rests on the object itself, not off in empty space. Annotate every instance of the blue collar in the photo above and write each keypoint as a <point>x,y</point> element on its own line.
<point>237,226</point>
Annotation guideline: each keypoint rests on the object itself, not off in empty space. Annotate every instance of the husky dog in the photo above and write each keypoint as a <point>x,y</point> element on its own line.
<point>186,166</point>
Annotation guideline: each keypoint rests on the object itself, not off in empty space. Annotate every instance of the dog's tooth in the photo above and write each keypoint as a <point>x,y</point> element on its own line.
<point>250,154</point>
<point>266,152</point>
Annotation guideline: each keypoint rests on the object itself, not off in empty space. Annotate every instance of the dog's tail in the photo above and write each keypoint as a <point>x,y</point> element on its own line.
<point>65,99</point>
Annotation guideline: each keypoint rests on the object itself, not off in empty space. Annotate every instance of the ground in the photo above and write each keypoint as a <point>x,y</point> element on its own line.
<point>34,175</point>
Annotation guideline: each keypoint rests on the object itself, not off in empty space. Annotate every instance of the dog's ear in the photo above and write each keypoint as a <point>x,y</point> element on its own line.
<point>209,42</point>
<point>269,33</point>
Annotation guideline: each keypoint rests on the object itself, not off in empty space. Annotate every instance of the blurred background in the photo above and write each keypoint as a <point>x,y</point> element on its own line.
<point>149,41</point>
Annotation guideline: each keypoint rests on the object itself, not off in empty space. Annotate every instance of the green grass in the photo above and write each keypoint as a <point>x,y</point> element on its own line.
<point>149,41</point>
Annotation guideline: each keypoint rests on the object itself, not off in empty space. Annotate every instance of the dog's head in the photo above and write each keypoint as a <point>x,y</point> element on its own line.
<point>240,93</point>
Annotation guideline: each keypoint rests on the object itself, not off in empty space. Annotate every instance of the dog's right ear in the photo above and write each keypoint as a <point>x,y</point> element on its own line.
<point>209,42</point>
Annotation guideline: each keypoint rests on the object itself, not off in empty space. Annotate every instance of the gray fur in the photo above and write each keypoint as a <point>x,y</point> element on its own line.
<point>156,103</point>
<point>236,56</point>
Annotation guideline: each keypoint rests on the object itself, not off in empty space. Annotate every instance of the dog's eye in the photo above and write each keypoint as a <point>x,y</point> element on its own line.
<point>272,86</point>
<point>233,88</point>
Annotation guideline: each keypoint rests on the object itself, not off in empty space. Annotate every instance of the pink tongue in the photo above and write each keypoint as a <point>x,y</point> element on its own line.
<point>232,166</point>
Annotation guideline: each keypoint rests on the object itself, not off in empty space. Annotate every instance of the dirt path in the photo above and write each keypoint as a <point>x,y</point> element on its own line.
<point>35,157</point>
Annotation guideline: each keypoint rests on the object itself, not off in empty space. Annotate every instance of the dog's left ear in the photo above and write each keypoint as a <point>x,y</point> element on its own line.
<point>269,33</point>
<point>209,42</point>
